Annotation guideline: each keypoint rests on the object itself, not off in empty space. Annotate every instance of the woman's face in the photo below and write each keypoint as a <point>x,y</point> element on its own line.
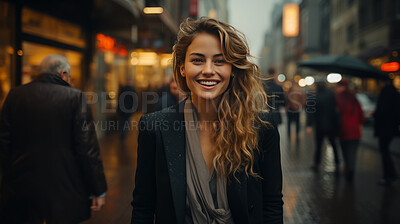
<point>207,74</point>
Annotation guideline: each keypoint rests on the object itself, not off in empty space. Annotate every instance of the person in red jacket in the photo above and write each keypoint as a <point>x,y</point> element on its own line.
<point>352,118</point>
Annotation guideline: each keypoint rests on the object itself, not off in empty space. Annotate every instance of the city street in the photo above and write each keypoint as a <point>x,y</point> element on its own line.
<point>309,197</point>
<point>67,63</point>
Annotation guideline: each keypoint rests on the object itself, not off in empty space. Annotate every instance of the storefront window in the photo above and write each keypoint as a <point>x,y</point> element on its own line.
<point>110,73</point>
<point>114,68</point>
<point>150,69</point>
<point>6,49</point>
<point>49,27</point>
<point>33,54</point>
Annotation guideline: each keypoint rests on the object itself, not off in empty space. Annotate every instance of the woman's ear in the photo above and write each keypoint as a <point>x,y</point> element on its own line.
<point>182,70</point>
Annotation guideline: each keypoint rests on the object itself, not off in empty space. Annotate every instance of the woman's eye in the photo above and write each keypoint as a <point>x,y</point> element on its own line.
<point>220,61</point>
<point>197,60</point>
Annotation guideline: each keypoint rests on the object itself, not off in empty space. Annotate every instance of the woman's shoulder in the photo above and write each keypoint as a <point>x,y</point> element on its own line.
<point>164,114</point>
<point>163,119</point>
<point>268,135</point>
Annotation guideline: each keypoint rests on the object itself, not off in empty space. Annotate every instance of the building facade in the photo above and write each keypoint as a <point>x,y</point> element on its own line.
<point>104,50</point>
<point>214,9</point>
<point>370,30</point>
<point>314,35</point>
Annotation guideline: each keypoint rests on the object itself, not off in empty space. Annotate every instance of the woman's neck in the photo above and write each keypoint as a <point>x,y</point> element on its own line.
<point>206,109</point>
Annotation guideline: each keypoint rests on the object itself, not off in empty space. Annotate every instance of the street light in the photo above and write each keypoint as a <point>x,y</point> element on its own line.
<point>153,10</point>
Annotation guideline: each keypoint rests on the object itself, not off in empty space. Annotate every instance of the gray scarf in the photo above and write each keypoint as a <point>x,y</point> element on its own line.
<point>202,208</point>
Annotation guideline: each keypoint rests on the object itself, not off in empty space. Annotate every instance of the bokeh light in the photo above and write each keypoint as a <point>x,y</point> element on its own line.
<point>302,82</point>
<point>281,77</point>
<point>297,78</point>
<point>309,80</point>
<point>334,77</point>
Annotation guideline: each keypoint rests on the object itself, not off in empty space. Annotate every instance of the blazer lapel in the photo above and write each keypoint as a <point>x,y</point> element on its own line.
<point>237,198</point>
<point>174,145</point>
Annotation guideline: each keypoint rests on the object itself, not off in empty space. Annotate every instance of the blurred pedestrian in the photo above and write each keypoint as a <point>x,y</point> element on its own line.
<point>352,117</point>
<point>127,105</point>
<point>52,169</point>
<point>295,102</point>
<point>323,115</point>
<point>212,158</point>
<point>276,97</point>
<point>150,97</point>
<point>170,97</point>
<point>386,127</point>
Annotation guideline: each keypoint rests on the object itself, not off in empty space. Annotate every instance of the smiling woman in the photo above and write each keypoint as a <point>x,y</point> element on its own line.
<point>224,165</point>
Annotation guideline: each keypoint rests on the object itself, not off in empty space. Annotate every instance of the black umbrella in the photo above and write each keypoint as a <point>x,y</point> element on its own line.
<point>345,65</point>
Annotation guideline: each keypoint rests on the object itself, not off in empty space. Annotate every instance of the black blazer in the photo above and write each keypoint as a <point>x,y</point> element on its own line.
<point>160,182</point>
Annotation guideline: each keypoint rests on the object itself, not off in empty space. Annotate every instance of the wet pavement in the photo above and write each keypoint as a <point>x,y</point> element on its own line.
<point>310,197</point>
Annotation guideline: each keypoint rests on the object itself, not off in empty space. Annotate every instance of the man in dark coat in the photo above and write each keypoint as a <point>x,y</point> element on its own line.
<point>322,113</point>
<point>52,169</point>
<point>276,97</point>
<point>387,122</point>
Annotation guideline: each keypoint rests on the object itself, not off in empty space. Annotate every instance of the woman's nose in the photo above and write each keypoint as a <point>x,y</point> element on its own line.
<point>208,68</point>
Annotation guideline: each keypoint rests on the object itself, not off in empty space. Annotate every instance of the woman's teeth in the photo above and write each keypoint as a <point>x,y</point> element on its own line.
<point>208,83</point>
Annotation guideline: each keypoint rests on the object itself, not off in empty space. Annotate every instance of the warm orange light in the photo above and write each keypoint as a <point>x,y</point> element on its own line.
<point>297,78</point>
<point>123,52</point>
<point>105,42</point>
<point>145,59</point>
<point>153,10</point>
<point>290,20</point>
<point>390,67</point>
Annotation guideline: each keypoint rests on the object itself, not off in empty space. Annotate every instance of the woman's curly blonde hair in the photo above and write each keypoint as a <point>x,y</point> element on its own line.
<point>235,133</point>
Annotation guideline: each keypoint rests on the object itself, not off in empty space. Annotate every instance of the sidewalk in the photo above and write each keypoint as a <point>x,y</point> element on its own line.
<point>119,161</point>
<point>314,198</point>
<point>369,140</point>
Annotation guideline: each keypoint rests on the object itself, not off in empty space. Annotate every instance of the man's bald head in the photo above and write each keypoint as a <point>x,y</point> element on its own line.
<point>57,65</point>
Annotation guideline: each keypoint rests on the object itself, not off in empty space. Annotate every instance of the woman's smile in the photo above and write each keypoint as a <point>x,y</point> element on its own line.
<point>208,84</point>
